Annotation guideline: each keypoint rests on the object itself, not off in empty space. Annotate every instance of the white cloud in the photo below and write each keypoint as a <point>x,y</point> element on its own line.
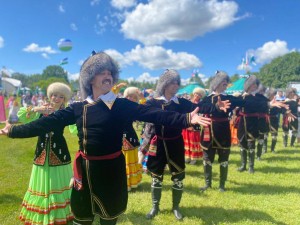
<point>100,25</point>
<point>73,27</point>
<point>61,8</point>
<point>121,4</point>
<point>146,77</point>
<point>95,2</point>
<point>1,42</point>
<point>269,51</point>
<point>73,76</point>
<point>45,55</point>
<point>33,47</point>
<point>169,20</point>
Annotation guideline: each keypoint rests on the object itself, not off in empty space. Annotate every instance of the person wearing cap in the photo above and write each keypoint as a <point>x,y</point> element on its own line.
<point>288,125</point>
<point>166,145</point>
<point>100,183</point>
<point>47,200</point>
<point>274,121</point>
<point>191,135</point>
<point>263,121</point>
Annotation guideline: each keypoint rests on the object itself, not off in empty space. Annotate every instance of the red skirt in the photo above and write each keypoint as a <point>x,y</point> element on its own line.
<point>192,147</point>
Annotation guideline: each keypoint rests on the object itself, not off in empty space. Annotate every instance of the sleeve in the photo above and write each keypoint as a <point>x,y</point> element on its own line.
<point>73,129</point>
<point>150,113</point>
<point>26,115</point>
<point>55,121</point>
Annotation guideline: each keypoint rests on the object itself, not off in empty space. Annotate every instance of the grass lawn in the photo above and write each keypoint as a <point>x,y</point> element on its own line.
<point>269,196</point>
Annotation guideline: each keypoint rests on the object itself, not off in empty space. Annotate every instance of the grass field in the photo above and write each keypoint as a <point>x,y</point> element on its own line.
<point>270,196</point>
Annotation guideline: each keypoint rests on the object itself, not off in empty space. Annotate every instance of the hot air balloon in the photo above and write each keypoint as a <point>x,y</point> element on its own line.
<point>64,44</point>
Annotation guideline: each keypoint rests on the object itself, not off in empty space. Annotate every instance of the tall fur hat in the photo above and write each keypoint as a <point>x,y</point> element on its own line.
<point>61,88</point>
<point>290,91</point>
<point>165,79</point>
<point>250,81</point>
<point>199,91</point>
<point>131,91</point>
<point>219,77</point>
<point>95,64</point>
<point>271,92</point>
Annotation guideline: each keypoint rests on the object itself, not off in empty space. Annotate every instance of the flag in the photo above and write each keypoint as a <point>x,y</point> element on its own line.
<point>64,61</point>
<point>252,60</point>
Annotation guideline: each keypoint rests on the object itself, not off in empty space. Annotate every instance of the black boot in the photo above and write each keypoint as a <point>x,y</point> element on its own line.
<point>285,139</point>
<point>156,195</point>
<point>251,160</point>
<point>273,144</point>
<point>265,145</point>
<point>293,139</point>
<point>244,160</point>
<point>259,149</point>
<point>176,195</point>
<point>207,176</point>
<point>223,175</point>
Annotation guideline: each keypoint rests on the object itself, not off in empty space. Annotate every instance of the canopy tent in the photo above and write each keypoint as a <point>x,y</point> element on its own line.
<point>189,88</point>
<point>237,86</point>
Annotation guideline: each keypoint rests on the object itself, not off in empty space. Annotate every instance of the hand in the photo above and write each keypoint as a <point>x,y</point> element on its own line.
<point>290,116</point>
<point>120,85</point>
<point>44,109</point>
<point>196,119</point>
<point>278,104</point>
<point>223,105</point>
<point>4,131</point>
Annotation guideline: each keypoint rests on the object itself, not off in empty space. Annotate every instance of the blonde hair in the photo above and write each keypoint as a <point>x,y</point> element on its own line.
<point>131,91</point>
<point>199,91</point>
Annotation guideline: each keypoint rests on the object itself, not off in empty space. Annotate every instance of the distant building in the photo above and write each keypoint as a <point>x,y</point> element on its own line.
<point>10,85</point>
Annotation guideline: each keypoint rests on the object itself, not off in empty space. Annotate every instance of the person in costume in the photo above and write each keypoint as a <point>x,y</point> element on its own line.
<point>131,144</point>
<point>288,125</point>
<point>47,199</point>
<point>263,121</point>
<point>166,145</point>
<point>100,183</point>
<point>191,135</point>
<point>274,121</point>
<point>13,107</point>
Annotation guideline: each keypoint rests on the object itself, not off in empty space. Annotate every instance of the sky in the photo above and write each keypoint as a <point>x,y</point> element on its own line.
<point>147,37</point>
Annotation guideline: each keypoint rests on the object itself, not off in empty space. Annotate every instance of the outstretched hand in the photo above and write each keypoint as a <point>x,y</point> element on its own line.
<point>196,119</point>
<point>278,104</point>
<point>223,105</point>
<point>4,131</point>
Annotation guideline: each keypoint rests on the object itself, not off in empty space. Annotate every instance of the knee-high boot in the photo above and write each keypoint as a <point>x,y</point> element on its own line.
<point>251,160</point>
<point>156,189</point>
<point>293,139</point>
<point>265,145</point>
<point>207,175</point>
<point>177,190</point>
<point>285,139</point>
<point>273,144</point>
<point>223,175</point>
<point>242,168</point>
<point>259,148</point>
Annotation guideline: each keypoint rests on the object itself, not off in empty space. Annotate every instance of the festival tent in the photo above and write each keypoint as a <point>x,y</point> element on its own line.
<point>188,89</point>
<point>237,86</point>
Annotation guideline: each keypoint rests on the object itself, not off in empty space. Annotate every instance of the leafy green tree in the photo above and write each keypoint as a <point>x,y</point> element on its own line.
<point>196,79</point>
<point>234,77</point>
<point>55,71</point>
<point>43,84</point>
<point>281,70</point>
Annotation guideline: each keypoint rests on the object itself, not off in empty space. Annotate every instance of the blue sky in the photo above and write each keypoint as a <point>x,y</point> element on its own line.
<point>147,37</point>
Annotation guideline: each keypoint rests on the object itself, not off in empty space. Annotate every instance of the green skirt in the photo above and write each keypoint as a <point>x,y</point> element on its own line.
<point>47,200</point>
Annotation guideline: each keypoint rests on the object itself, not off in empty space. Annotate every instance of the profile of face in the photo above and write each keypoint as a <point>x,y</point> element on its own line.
<point>103,82</point>
<point>222,86</point>
<point>252,88</point>
<point>132,98</point>
<point>197,97</point>
<point>172,88</point>
<point>280,93</point>
<point>57,100</point>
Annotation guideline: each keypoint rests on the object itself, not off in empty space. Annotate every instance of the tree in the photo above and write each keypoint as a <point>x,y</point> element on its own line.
<point>55,71</point>
<point>234,77</point>
<point>280,71</point>
<point>196,79</point>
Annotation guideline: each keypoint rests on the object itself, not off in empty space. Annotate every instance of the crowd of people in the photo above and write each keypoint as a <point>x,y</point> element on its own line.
<point>176,131</point>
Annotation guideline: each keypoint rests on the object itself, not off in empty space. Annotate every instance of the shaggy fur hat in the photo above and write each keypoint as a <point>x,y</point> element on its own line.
<point>219,77</point>
<point>199,91</point>
<point>95,64</point>
<point>165,79</point>
<point>61,88</point>
<point>250,81</point>
<point>271,92</point>
<point>131,91</point>
<point>290,91</point>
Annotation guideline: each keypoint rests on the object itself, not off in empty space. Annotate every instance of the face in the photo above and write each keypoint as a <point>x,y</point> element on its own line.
<point>103,82</point>
<point>197,96</point>
<point>222,87</point>
<point>172,88</point>
<point>252,88</point>
<point>132,98</point>
<point>57,100</point>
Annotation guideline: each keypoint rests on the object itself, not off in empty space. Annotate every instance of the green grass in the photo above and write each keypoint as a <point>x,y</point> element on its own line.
<point>270,196</point>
